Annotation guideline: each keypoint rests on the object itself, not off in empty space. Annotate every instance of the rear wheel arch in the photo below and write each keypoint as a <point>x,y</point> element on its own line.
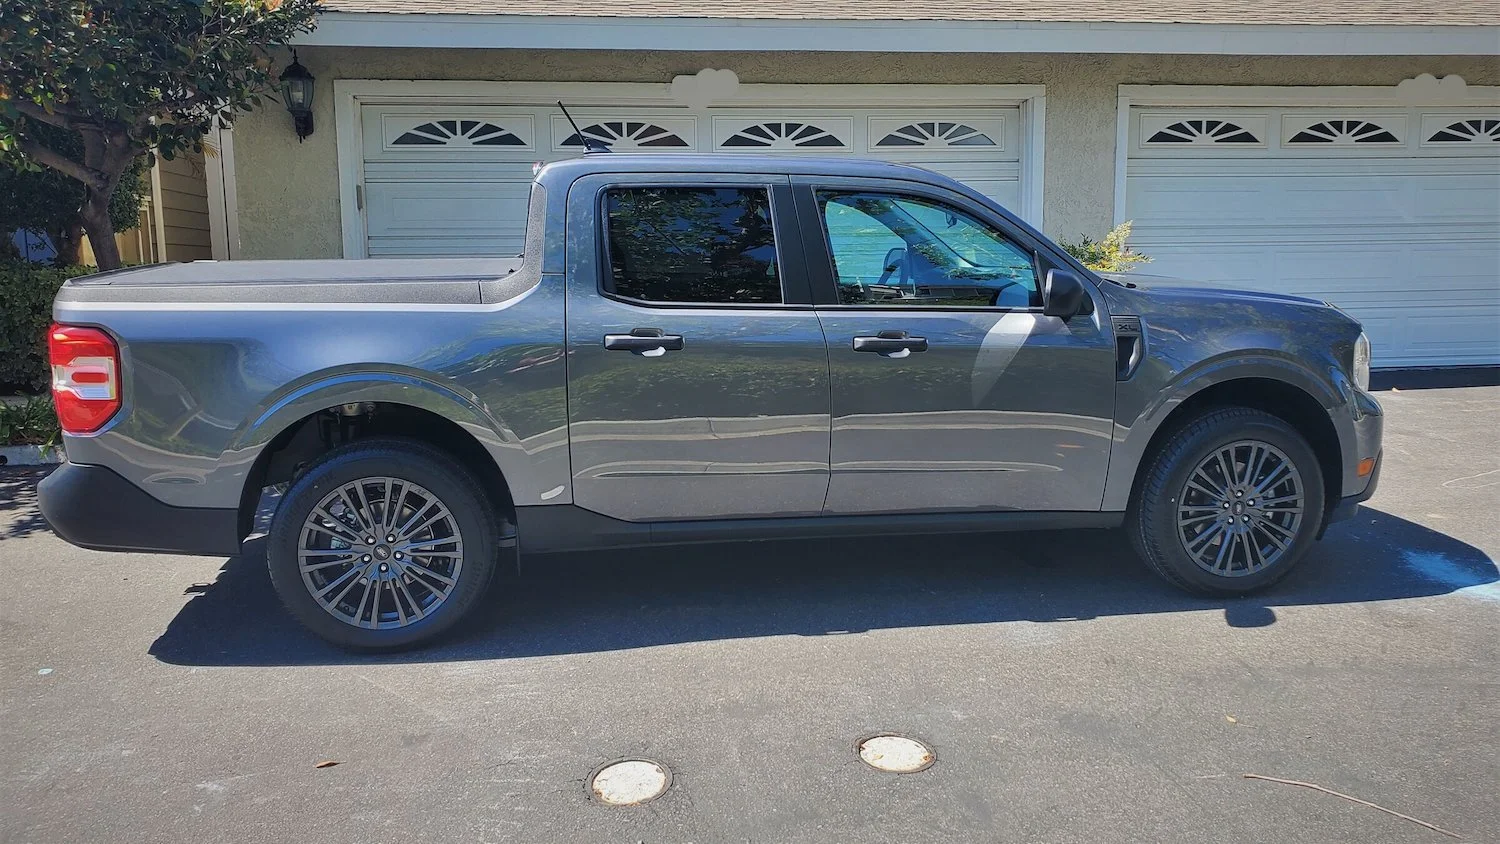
<point>301,441</point>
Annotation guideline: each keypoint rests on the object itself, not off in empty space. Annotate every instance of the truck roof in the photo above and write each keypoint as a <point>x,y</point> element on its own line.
<point>562,172</point>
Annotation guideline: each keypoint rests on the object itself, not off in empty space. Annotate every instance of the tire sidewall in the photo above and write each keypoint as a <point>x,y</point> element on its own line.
<point>1160,510</point>
<point>429,469</point>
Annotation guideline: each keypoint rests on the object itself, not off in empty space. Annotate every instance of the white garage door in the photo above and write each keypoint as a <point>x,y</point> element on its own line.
<point>1391,214</point>
<point>453,180</point>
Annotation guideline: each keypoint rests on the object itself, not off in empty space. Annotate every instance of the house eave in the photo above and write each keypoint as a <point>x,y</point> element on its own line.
<point>367,29</point>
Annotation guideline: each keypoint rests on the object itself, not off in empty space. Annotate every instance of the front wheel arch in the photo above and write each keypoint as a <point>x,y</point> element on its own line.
<point>1286,401</point>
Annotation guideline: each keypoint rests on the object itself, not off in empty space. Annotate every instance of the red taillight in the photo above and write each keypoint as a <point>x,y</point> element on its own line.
<point>85,377</point>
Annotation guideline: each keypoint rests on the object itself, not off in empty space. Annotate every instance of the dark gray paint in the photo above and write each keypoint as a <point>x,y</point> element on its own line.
<point>220,358</point>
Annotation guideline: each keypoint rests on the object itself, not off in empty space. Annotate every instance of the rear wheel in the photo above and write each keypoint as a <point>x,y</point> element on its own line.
<point>383,544</point>
<point>1230,504</point>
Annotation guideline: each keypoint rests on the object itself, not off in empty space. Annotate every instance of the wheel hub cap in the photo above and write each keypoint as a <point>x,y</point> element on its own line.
<point>1240,509</point>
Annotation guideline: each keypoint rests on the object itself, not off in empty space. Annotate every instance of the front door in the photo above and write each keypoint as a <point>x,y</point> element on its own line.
<point>951,390</point>
<point>697,371</point>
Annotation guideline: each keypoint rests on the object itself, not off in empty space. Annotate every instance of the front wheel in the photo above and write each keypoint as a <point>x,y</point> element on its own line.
<point>383,544</point>
<point>1230,504</point>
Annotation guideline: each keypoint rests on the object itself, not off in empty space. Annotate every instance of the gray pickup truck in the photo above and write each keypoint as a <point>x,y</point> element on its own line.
<point>697,349</point>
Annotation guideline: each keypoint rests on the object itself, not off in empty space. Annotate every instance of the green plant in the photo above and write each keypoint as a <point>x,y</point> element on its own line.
<point>1109,255</point>
<point>32,422</point>
<point>26,293</point>
<point>128,78</point>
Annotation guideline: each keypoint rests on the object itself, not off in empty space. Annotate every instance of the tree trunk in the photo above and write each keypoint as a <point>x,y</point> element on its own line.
<point>69,243</point>
<point>95,218</point>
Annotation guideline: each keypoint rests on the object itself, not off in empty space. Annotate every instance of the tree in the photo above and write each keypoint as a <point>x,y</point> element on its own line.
<point>45,202</point>
<point>129,78</point>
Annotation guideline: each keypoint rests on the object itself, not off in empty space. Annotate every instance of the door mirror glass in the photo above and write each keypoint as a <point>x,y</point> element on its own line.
<point>1063,295</point>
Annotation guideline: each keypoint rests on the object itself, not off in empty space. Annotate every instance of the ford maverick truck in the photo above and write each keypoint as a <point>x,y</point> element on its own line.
<point>697,349</point>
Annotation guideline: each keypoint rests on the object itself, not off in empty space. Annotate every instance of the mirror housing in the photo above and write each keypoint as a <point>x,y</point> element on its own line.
<point>1063,295</point>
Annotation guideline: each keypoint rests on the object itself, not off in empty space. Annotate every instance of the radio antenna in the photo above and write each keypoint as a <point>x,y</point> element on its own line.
<point>589,144</point>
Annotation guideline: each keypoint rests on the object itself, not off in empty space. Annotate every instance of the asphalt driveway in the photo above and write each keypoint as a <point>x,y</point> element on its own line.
<point>1069,695</point>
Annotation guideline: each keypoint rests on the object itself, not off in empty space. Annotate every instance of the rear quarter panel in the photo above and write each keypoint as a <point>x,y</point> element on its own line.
<point>208,384</point>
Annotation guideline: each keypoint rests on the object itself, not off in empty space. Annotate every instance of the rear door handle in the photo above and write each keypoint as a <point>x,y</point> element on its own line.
<point>649,342</point>
<point>895,344</point>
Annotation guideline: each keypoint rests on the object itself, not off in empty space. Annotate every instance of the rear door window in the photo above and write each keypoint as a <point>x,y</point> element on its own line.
<point>692,245</point>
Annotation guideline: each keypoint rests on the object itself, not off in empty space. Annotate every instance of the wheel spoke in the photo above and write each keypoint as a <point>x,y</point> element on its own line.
<point>1201,542</point>
<point>1225,557</point>
<point>1252,464</point>
<point>1254,560</point>
<point>1272,479</point>
<point>419,570</point>
<point>345,560</point>
<point>1226,470</point>
<point>424,543</point>
<point>442,514</point>
<point>334,528</point>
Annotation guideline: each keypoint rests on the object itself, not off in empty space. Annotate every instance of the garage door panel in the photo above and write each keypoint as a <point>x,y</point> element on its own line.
<point>1401,231</point>
<point>451,179</point>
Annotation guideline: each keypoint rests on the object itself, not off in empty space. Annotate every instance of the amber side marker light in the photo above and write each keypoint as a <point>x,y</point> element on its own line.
<point>85,377</point>
<point>1366,466</point>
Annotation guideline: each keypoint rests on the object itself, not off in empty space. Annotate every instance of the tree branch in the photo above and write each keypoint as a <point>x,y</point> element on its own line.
<point>56,118</point>
<point>63,164</point>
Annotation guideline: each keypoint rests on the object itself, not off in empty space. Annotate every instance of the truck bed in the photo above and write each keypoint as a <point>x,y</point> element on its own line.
<point>418,280</point>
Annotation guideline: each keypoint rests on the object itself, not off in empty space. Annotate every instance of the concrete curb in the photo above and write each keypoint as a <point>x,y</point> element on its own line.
<point>30,455</point>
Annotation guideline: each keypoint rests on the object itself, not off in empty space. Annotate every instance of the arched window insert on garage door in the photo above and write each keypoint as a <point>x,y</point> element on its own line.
<point>1203,132</point>
<point>458,132</point>
<point>627,135</point>
<point>784,135</point>
<point>1344,132</point>
<point>1469,131</point>
<point>936,134</point>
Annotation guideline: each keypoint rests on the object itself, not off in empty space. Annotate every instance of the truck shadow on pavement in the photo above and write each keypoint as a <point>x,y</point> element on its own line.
<point>629,599</point>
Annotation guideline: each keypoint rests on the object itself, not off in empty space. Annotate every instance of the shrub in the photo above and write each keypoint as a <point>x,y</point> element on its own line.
<point>1109,255</point>
<point>26,292</point>
<point>32,422</point>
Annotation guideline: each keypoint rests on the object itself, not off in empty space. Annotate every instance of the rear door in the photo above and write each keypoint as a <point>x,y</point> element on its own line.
<point>697,371</point>
<point>951,390</point>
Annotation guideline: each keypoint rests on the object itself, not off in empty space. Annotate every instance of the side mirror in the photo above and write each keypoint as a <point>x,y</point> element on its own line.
<point>1063,295</point>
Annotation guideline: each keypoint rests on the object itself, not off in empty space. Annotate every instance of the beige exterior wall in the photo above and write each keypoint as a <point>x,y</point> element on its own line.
<point>288,192</point>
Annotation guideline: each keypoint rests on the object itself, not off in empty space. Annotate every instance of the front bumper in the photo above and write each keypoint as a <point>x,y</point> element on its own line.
<point>1347,505</point>
<point>93,507</point>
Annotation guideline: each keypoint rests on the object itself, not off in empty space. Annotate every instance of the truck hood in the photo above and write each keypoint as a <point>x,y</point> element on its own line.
<point>1169,288</point>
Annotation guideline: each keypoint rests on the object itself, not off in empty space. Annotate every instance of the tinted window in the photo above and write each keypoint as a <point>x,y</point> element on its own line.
<point>900,250</point>
<point>711,245</point>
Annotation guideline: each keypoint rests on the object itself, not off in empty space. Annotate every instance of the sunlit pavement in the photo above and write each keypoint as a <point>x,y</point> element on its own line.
<point>1065,693</point>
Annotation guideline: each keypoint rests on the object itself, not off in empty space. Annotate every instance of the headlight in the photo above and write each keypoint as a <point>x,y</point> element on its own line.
<point>1361,371</point>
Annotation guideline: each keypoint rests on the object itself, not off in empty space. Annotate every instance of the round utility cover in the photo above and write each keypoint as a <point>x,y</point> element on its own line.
<point>896,754</point>
<point>629,782</point>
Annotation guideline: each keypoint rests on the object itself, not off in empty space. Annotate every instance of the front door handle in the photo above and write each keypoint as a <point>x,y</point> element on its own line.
<point>893,344</point>
<point>648,342</point>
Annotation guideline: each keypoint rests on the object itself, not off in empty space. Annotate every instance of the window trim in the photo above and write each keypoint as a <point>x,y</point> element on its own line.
<point>829,274</point>
<point>793,283</point>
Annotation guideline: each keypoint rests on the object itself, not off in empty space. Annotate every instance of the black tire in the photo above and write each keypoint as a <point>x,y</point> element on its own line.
<point>435,472</point>
<point>1152,520</point>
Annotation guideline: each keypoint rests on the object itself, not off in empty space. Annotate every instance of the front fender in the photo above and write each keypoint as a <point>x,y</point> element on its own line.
<point>1147,401</point>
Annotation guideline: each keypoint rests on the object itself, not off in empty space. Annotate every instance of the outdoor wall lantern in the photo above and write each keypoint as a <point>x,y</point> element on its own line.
<point>297,93</point>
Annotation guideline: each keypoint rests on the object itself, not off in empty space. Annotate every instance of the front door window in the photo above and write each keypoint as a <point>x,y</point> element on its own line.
<point>891,249</point>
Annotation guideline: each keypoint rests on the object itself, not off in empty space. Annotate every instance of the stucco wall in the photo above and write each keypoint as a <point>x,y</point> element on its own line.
<point>288,192</point>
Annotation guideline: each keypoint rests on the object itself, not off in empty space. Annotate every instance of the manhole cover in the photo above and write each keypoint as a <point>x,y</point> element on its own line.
<point>896,754</point>
<point>629,782</point>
